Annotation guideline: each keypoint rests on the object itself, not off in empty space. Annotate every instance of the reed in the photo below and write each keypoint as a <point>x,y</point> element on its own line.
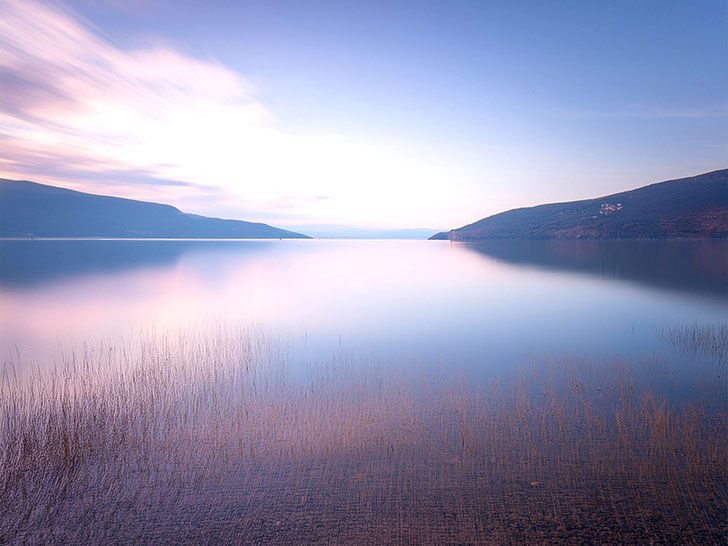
<point>702,339</point>
<point>183,437</point>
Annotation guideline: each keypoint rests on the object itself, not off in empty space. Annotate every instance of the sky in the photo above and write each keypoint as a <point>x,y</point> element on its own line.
<point>367,114</point>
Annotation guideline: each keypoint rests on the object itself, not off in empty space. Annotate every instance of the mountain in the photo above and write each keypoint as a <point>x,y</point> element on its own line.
<point>695,207</point>
<point>28,209</point>
<point>342,231</point>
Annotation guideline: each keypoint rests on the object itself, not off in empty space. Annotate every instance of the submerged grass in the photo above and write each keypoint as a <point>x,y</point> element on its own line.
<point>702,339</point>
<point>190,438</point>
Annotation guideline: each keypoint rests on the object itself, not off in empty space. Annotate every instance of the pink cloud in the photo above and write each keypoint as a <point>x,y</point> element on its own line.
<point>153,123</point>
<point>74,106</point>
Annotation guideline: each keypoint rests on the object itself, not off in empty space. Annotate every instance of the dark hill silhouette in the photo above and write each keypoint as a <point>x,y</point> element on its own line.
<point>28,209</point>
<point>695,207</point>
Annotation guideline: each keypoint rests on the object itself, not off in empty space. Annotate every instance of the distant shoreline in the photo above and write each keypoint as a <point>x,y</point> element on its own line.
<point>145,239</point>
<point>354,239</point>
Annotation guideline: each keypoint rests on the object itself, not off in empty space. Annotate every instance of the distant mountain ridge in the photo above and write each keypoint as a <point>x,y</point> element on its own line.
<point>694,207</point>
<point>29,209</point>
<point>343,231</point>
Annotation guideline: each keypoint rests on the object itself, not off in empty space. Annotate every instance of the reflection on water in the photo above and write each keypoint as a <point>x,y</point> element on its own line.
<point>695,267</point>
<point>387,393</point>
<point>33,263</point>
<point>475,306</point>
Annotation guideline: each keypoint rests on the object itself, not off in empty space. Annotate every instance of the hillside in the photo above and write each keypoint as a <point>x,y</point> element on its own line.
<point>695,207</point>
<point>28,209</point>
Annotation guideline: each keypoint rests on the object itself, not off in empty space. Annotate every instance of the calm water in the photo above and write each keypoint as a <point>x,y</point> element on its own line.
<point>480,307</point>
<point>365,411</point>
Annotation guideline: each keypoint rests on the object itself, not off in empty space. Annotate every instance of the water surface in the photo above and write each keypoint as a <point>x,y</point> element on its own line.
<point>478,306</point>
<point>363,392</point>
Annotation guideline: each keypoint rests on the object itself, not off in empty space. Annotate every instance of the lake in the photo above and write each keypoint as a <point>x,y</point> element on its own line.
<point>483,307</point>
<point>363,392</point>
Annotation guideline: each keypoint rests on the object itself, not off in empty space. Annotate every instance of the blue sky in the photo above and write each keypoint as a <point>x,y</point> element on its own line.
<point>378,114</point>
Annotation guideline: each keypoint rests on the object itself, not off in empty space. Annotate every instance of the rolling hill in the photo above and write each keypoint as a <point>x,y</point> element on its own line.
<point>28,209</point>
<point>695,207</point>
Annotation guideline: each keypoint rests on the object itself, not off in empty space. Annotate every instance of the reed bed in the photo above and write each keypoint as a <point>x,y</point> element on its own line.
<point>702,339</point>
<point>185,438</point>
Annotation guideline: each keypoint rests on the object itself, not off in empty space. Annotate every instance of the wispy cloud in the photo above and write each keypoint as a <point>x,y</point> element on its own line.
<point>77,108</point>
<point>80,111</point>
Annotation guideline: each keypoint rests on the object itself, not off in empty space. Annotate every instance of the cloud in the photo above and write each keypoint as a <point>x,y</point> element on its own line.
<point>79,111</point>
<point>76,108</point>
